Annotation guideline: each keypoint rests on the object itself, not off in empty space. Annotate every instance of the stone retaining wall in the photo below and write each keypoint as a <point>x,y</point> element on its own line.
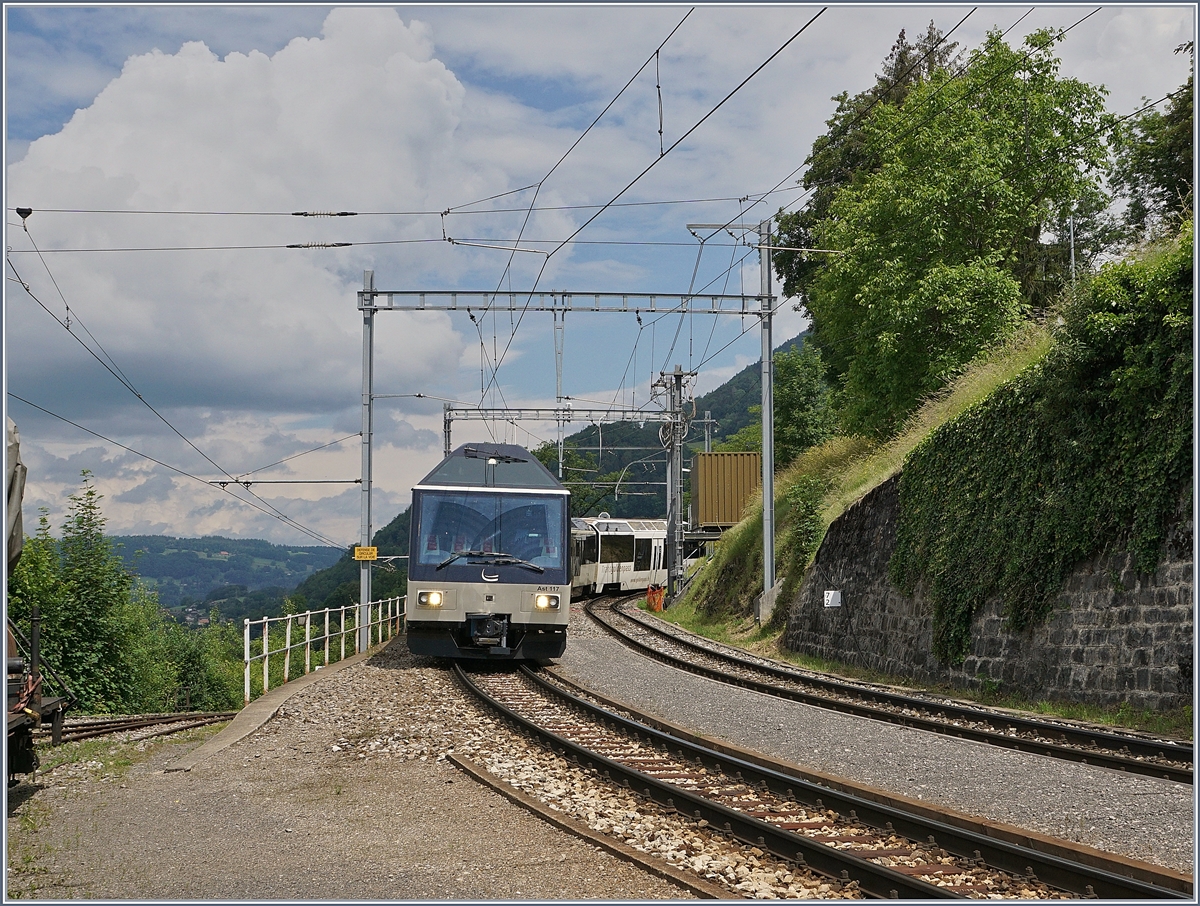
<point>1115,636</point>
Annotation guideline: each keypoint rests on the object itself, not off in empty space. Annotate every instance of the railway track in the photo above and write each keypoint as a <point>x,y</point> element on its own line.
<point>857,845</point>
<point>1169,759</point>
<point>139,726</point>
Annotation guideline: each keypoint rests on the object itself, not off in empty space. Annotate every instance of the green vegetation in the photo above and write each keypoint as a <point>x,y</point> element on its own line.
<point>105,635</point>
<point>1091,447</point>
<point>182,571</point>
<point>939,247</point>
<point>818,486</point>
<point>1152,166</point>
<point>339,584</point>
<point>804,414</point>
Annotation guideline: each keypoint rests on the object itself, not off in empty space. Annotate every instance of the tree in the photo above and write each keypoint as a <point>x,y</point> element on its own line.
<point>804,415</point>
<point>940,249</point>
<point>1152,164</point>
<point>842,153</point>
<point>105,634</point>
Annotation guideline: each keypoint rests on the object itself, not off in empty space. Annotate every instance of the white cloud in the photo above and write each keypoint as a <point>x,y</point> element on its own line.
<point>255,354</point>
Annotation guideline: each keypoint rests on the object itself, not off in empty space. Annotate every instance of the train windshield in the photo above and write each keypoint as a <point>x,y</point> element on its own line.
<point>507,529</point>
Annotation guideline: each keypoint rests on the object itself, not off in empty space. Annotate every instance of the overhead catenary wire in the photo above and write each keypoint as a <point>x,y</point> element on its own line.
<point>661,157</point>
<point>285,519</point>
<point>129,386</point>
<point>497,360</point>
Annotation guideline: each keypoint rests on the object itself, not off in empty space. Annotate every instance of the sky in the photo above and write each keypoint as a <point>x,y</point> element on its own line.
<point>162,150</point>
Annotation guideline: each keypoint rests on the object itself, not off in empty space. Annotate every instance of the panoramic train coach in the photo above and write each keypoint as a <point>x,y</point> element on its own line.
<point>489,557</point>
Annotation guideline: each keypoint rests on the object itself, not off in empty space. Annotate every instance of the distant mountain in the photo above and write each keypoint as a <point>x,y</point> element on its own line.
<point>189,569</point>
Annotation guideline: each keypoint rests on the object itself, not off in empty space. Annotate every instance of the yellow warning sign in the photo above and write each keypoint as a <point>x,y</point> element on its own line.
<point>366,553</point>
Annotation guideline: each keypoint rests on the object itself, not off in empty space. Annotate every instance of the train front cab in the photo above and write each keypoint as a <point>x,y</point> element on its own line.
<point>489,558</point>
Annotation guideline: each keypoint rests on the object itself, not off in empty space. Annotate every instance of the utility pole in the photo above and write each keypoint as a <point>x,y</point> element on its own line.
<point>768,410</point>
<point>560,323</point>
<point>765,311</point>
<point>364,581</point>
<point>673,384</point>
<point>708,423</point>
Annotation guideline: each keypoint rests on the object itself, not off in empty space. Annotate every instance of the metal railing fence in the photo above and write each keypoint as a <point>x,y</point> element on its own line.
<point>332,623</point>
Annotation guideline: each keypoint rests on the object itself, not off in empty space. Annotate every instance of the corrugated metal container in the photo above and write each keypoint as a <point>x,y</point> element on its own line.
<point>721,485</point>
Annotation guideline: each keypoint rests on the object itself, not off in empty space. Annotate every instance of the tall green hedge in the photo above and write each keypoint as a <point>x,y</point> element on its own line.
<point>1089,449</point>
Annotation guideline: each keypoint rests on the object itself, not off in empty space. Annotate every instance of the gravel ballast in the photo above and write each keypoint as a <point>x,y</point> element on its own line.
<point>1135,816</point>
<point>346,794</point>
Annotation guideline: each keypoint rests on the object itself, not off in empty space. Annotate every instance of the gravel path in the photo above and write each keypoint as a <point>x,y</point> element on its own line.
<point>1135,816</point>
<point>345,795</point>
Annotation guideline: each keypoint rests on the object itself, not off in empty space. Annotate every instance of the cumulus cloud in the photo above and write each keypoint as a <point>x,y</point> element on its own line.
<point>252,350</point>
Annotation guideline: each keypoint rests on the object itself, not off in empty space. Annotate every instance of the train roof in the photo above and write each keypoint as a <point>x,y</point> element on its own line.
<point>617,524</point>
<point>493,466</point>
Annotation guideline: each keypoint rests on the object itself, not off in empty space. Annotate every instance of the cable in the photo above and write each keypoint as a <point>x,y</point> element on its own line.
<point>447,211</point>
<point>699,123</point>
<point>311,533</point>
<point>508,265</point>
<point>674,145</point>
<point>124,382</point>
<point>305,453</point>
<point>233,248</point>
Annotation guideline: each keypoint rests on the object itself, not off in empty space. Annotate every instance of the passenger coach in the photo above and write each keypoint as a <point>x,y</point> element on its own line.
<point>489,545</point>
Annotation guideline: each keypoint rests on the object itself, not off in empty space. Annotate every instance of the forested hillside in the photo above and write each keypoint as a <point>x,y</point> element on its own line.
<point>183,570</point>
<point>338,585</point>
<point>620,468</point>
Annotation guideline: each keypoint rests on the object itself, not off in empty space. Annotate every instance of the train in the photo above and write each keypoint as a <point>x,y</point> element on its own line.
<point>621,554</point>
<point>495,558</point>
<point>489,558</point>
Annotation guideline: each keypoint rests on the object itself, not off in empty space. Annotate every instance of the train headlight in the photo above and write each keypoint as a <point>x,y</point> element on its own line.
<point>429,598</point>
<point>545,602</point>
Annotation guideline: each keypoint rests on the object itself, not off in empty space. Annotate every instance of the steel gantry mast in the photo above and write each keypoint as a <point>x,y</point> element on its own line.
<point>761,305</point>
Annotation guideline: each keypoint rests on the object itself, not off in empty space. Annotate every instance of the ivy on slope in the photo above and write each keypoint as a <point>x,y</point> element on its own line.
<point>1088,449</point>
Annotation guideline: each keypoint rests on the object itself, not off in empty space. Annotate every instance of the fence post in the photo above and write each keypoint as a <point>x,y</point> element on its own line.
<point>266,654</point>
<point>342,623</point>
<point>307,640</point>
<point>287,648</point>
<point>326,636</point>
<point>246,656</point>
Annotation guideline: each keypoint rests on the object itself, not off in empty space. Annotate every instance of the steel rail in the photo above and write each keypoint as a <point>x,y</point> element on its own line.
<point>94,729</point>
<point>1082,737</point>
<point>1055,870</point>
<point>1084,880</point>
<point>876,880</point>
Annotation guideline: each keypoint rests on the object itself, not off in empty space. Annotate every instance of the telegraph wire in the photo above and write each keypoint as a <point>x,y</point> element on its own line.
<point>129,386</point>
<point>508,265</point>
<point>304,453</point>
<point>699,123</point>
<point>446,211</point>
<point>673,146</point>
<point>67,323</point>
<point>124,382</point>
<point>285,519</point>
